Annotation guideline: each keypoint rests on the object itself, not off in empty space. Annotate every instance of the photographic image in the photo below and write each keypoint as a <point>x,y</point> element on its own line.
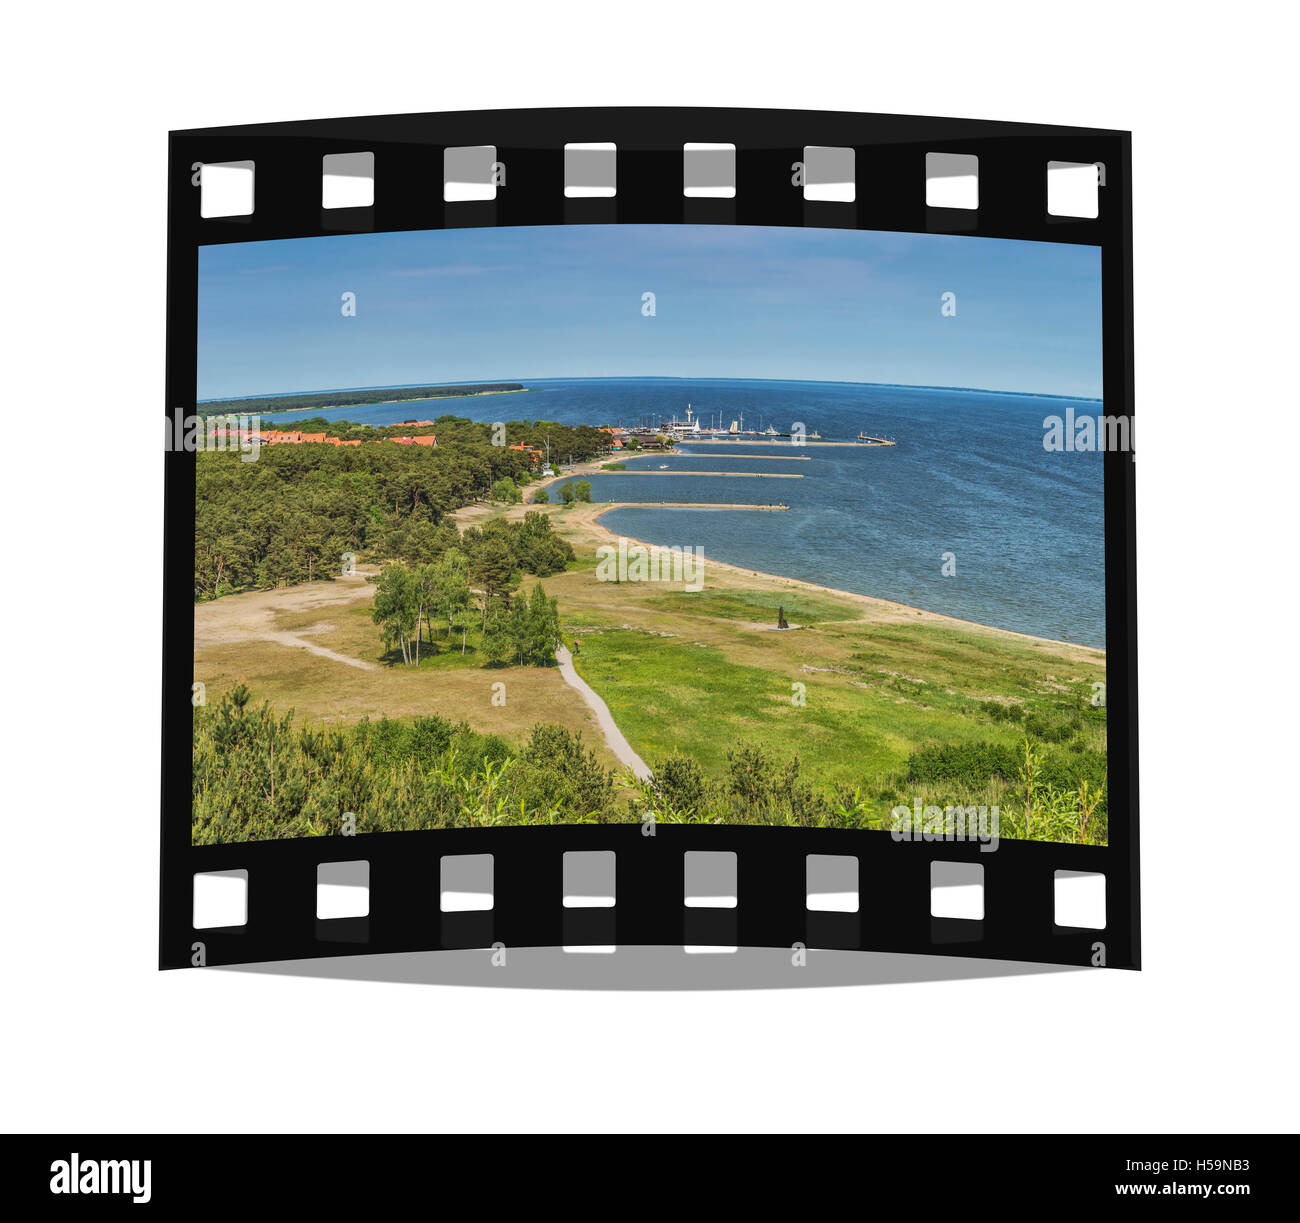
<point>692,524</point>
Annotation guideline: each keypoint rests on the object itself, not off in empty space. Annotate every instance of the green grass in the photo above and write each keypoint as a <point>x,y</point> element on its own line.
<point>897,704</point>
<point>669,696</point>
<point>898,711</point>
<point>753,605</point>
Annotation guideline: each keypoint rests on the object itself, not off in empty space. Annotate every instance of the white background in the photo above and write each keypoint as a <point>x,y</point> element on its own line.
<point>94,1037</point>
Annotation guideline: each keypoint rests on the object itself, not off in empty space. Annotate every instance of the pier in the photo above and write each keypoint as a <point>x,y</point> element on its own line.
<point>776,441</point>
<point>751,458</point>
<point>682,505</point>
<point>731,475</point>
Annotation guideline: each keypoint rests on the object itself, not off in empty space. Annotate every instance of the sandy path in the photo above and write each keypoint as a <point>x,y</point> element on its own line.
<point>251,617</point>
<point>618,744</point>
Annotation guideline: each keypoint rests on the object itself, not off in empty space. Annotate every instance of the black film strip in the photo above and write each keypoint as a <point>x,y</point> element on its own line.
<point>771,903</point>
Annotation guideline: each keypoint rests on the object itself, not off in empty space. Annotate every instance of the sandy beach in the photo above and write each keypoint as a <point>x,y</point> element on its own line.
<point>586,516</point>
<point>589,514</point>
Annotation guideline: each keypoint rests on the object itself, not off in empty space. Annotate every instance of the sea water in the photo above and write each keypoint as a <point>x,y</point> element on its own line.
<point>967,514</point>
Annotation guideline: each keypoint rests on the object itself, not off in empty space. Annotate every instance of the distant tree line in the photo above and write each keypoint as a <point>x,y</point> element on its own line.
<point>271,404</point>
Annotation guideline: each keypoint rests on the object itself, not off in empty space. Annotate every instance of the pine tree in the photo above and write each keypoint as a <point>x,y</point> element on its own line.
<point>395,607</point>
<point>497,641</point>
<point>520,628</point>
<point>452,590</point>
<point>543,626</point>
<point>493,567</point>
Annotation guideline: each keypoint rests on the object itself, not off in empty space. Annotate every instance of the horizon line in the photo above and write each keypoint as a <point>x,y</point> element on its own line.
<point>398,386</point>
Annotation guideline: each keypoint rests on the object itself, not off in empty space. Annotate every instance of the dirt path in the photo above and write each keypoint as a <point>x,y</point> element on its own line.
<point>604,719</point>
<point>251,617</point>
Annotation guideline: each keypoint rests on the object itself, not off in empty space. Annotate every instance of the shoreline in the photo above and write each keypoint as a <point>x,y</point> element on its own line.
<point>598,509</point>
<point>379,403</point>
<point>589,514</point>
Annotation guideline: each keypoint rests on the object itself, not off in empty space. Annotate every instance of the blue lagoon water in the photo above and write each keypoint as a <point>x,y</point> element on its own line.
<point>968,475</point>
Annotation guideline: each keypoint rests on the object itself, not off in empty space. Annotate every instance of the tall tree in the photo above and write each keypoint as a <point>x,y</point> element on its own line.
<point>424,584</point>
<point>521,628</point>
<point>493,568</point>
<point>394,608</point>
<point>452,587</point>
<point>543,625</point>
<point>497,643</point>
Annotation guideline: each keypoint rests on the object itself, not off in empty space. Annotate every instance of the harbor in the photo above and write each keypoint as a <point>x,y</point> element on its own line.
<point>691,430</point>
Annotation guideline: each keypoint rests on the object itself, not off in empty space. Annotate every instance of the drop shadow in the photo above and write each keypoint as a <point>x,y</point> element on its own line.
<point>650,968</point>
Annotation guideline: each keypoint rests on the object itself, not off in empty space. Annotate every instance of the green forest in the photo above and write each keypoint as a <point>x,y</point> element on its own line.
<point>271,404</point>
<point>300,512</point>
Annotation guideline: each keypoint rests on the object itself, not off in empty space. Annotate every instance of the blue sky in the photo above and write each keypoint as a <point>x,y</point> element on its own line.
<point>566,302</point>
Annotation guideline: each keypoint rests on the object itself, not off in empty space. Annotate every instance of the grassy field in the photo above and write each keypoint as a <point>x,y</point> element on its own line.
<point>257,639</point>
<point>870,695</point>
<point>858,719</point>
<point>873,697</point>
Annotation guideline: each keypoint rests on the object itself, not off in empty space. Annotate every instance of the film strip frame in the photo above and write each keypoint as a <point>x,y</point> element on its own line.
<point>771,902</point>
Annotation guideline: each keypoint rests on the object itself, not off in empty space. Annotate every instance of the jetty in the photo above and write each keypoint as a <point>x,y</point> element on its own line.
<point>731,475</point>
<point>684,505</point>
<point>760,441</point>
<point>749,458</point>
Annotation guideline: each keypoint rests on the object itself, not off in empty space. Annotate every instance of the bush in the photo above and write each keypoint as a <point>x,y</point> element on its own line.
<point>506,490</point>
<point>679,782</point>
<point>566,776</point>
<point>962,765</point>
<point>257,776</point>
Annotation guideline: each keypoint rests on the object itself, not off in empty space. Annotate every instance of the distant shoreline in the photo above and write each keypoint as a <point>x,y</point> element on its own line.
<point>379,403</point>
